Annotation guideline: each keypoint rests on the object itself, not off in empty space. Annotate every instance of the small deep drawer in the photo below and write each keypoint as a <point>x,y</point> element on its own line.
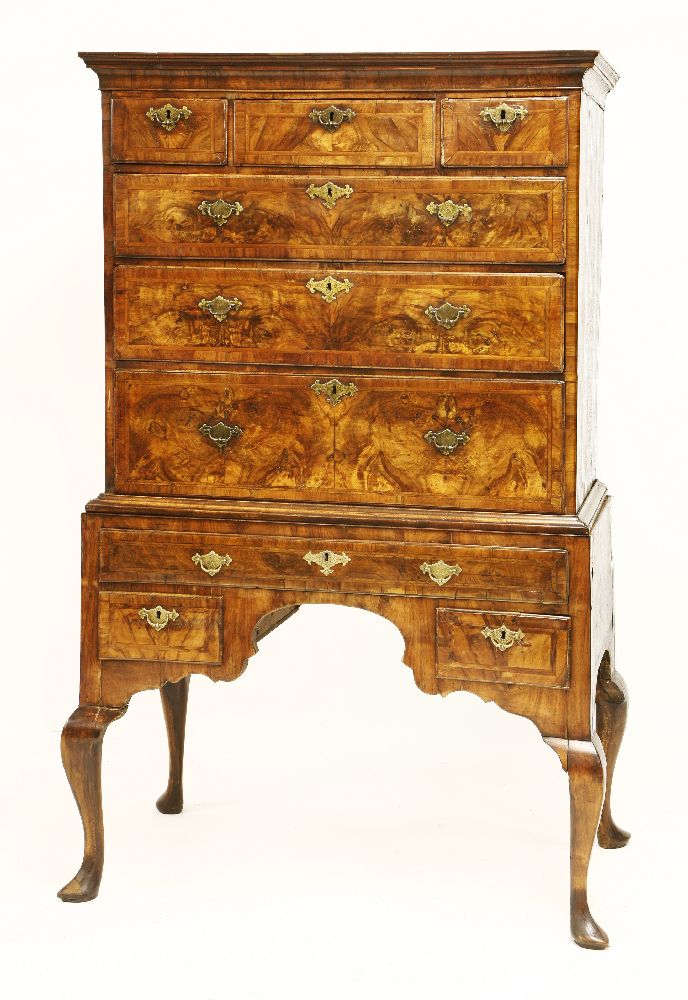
<point>433,569</point>
<point>503,648</point>
<point>164,129</point>
<point>505,132</point>
<point>159,626</point>
<point>345,131</point>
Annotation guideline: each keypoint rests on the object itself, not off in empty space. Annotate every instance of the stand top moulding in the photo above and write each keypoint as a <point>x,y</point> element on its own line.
<point>421,70</point>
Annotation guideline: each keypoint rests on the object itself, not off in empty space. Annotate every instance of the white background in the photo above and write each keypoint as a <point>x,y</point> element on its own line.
<point>344,835</point>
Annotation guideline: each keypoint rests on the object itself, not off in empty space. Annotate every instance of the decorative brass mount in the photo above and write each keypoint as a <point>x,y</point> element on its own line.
<point>448,211</point>
<point>331,118</point>
<point>440,572</point>
<point>327,560</point>
<point>211,563</point>
<point>329,287</point>
<point>158,617</point>
<point>502,638</point>
<point>220,307</point>
<point>446,441</point>
<point>220,210</point>
<point>329,193</point>
<point>334,391</point>
<point>220,433</point>
<point>504,115</point>
<point>168,117</point>
<point>447,315</point>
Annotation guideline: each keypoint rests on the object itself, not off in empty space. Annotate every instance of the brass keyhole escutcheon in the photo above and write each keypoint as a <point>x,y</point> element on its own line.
<point>158,617</point>
<point>331,118</point>
<point>329,193</point>
<point>504,115</point>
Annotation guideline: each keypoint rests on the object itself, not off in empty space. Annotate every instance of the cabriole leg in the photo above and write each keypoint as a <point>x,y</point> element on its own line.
<point>611,701</point>
<point>82,743</point>
<point>174,696</point>
<point>586,788</point>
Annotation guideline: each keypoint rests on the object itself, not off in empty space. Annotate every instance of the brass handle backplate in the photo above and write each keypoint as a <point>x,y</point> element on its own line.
<point>448,211</point>
<point>158,617</point>
<point>329,287</point>
<point>329,193</point>
<point>334,391</point>
<point>440,572</point>
<point>446,441</point>
<point>502,638</point>
<point>220,210</point>
<point>168,117</point>
<point>220,307</point>
<point>327,560</point>
<point>331,118</point>
<point>211,563</point>
<point>447,315</point>
<point>220,433</point>
<point>504,115</point>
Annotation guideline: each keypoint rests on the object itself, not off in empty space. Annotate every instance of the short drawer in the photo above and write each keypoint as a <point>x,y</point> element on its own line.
<point>505,132</point>
<point>221,559</point>
<point>159,626</point>
<point>389,319</point>
<point>503,648</point>
<point>166,129</point>
<point>467,219</point>
<point>340,132</point>
<point>483,444</point>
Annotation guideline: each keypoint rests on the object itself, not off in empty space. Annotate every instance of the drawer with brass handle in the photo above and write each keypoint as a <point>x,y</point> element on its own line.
<point>449,571</point>
<point>395,319</point>
<point>158,626</point>
<point>346,131</point>
<point>508,648</point>
<point>483,444</point>
<point>470,219</point>
<point>173,129</point>
<point>508,132</point>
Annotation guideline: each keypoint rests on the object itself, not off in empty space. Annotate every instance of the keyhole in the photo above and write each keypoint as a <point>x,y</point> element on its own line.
<point>503,631</point>
<point>329,286</point>
<point>329,190</point>
<point>158,615</point>
<point>502,114</point>
<point>168,114</point>
<point>331,117</point>
<point>327,557</point>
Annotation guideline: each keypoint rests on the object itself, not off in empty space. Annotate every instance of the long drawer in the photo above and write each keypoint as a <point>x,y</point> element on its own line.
<point>487,444</point>
<point>479,572</point>
<point>356,218</point>
<point>452,320</point>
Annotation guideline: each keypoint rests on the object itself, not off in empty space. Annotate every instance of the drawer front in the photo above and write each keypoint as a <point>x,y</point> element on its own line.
<point>278,434</point>
<point>166,129</point>
<point>339,132</point>
<point>283,563</point>
<point>505,132</point>
<point>507,322</point>
<point>491,445</point>
<point>242,216</point>
<point>159,626</point>
<point>504,648</point>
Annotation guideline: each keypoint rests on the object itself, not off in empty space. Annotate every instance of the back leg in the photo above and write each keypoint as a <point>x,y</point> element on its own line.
<point>174,696</point>
<point>611,701</point>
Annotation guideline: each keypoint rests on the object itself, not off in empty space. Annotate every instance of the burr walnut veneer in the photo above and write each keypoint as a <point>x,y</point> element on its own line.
<point>351,326</point>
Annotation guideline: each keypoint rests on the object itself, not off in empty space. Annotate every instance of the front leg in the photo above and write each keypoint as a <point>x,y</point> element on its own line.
<point>82,744</point>
<point>586,788</point>
<point>174,696</point>
<point>611,701</point>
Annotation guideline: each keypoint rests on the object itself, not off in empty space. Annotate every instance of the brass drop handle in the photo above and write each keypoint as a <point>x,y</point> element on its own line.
<point>220,307</point>
<point>447,315</point>
<point>327,560</point>
<point>158,617</point>
<point>211,563</point>
<point>504,115</point>
<point>168,117</point>
<point>220,433</point>
<point>446,441</point>
<point>502,638</point>
<point>220,210</point>
<point>448,211</point>
<point>331,118</point>
<point>329,193</point>
<point>440,572</point>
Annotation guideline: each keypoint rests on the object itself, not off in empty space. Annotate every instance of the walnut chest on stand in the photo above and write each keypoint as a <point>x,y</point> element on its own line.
<point>351,312</point>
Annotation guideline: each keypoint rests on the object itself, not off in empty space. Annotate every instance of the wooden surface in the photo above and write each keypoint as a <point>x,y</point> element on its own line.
<point>511,529</point>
